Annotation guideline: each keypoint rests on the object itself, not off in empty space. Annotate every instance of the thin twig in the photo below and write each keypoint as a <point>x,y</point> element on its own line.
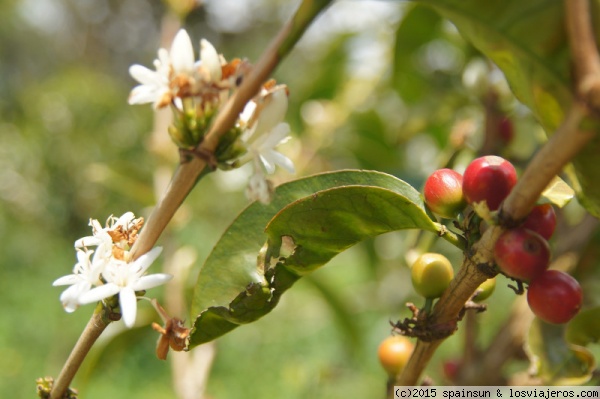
<point>547,163</point>
<point>90,334</point>
<point>187,173</point>
<point>584,50</point>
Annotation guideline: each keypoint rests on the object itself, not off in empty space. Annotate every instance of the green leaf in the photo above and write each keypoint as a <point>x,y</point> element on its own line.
<point>584,329</point>
<point>558,362</point>
<point>237,285</point>
<point>419,26</point>
<point>527,41</point>
<point>328,222</point>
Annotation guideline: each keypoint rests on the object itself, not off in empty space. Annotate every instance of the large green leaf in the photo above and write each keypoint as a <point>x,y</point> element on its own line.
<point>321,226</point>
<point>527,40</point>
<point>556,361</point>
<point>325,213</point>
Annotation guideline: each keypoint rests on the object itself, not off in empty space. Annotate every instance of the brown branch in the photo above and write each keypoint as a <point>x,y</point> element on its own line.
<point>187,173</point>
<point>90,334</point>
<point>567,141</point>
<point>586,61</point>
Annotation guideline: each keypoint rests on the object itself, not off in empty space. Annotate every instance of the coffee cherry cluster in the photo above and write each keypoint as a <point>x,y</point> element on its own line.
<point>522,253</point>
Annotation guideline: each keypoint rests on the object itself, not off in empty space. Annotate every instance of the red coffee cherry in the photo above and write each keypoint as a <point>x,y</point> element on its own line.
<point>542,220</point>
<point>431,274</point>
<point>554,297</point>
<point>489,179</point>
<point>394,352</point>
<point>522,254</point>
<point>443,193</point>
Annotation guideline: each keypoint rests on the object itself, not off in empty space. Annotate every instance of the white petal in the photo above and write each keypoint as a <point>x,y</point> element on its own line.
<point>267,163</point>
<point>151,281</point>
<point>70,297</point>
<point>143,262</point>
<point>88,241</point>
<point>99,293</point>
<point>182,53</point>
<point>210,60</point>
<point>163,63</point>
<point>125,219</point>
<point>273,111</point>
<point>144,75</point>
<point>248,111</point>
<point>279,159</point>
<point>128,303</point>
<point>67,280</point>
<point>278,135</point>
<point>145,94</point>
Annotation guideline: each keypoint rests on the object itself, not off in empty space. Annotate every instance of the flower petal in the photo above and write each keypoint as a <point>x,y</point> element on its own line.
<point>128,304</point>
<point>182,53</point>
<point>67,280</point>
<point>277,158</point>
<point>88,241</point>
<point>143,94</point>
<point>125,219</point>
<point>70,298</point>
<point>144,75</point>
<point>151,281</point>
<point>143,262</point>
<point>273,112</point>
<point>278,135</point>
<point>99,293</point>
<point>210,60</point>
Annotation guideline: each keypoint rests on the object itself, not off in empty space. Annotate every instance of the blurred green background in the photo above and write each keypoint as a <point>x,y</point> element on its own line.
<point>375,85</point>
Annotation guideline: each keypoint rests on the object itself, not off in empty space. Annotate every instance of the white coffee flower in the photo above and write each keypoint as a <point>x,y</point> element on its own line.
<point>86,274</point>
<point>264,130</point>
<point>125,279</point>
<point>107,270</point>
<point>177,74</point>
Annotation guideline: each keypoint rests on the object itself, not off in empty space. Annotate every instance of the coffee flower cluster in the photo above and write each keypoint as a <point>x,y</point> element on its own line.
<point>195,91</point>
<point>107,270</point>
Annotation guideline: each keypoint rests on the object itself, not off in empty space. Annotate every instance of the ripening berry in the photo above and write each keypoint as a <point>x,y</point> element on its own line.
<point>542,220</point>
<point>443,193</point>
<point>554,297</point>
<point>489,179</point>
<point>431,274</point>
<point>522,253</point>
<point>394,352</point>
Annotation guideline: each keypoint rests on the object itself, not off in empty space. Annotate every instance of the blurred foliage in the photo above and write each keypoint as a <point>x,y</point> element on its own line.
<point>370,88</point>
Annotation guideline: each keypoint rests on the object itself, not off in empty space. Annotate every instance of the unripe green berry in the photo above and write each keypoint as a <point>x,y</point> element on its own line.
<point>431,274</point>
<point>486,289</point>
